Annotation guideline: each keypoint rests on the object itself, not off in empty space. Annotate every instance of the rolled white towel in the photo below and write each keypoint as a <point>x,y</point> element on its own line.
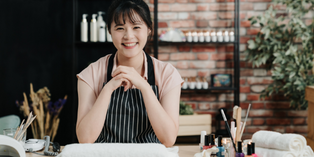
<point>308,152</point>
<point>264,152</point>
<point>118,150</point>
<point>275,140</point>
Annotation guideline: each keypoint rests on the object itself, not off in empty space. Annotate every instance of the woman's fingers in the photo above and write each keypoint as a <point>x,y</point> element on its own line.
<point>125,83</point>
<point>120,69</point>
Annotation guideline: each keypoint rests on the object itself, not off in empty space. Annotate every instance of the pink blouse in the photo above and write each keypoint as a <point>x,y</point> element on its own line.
<point>166,76</point>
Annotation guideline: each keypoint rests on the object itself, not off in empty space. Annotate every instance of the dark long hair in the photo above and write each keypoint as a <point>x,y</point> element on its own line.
<point>127,8</point>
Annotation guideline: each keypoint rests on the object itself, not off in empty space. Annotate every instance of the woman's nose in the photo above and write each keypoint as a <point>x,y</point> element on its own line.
<point>128,34</point>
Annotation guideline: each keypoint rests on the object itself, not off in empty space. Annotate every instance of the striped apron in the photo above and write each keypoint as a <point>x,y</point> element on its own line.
<point>127,120</point>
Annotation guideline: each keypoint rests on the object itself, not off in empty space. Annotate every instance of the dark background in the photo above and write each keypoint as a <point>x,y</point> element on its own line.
<point>39,44</point>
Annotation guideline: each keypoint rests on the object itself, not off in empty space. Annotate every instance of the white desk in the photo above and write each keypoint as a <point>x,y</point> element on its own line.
<point>184,151</point>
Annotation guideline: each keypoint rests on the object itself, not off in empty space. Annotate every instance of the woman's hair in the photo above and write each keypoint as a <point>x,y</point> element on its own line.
<point>126,8</point>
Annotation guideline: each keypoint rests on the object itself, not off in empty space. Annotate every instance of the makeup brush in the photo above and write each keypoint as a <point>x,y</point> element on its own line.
<point>225,119</point>
<point>247,113</point>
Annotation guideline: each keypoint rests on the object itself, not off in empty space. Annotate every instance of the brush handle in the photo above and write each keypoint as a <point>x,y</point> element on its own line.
<point>239,111</point>
<point>230,135</point>
<point>229,132</point>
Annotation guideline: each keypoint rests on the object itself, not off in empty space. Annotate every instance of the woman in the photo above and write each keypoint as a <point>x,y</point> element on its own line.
<point>128,97</point>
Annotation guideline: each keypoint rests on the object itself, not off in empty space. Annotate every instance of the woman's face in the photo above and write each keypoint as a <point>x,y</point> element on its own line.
<point>129,38</point>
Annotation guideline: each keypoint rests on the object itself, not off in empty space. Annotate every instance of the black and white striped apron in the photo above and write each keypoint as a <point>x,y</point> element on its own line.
<point>127,120</point>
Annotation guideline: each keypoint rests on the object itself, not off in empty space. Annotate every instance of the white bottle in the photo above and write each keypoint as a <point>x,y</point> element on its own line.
<point>101,27</point>
<point>109,38</point>
<point>84,28</point>
<point>93,29</point>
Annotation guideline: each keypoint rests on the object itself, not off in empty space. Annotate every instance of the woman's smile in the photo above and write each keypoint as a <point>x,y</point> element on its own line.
<point>129,45</point>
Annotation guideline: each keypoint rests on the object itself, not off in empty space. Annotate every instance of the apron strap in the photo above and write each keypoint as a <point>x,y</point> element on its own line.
<point>150,70</point>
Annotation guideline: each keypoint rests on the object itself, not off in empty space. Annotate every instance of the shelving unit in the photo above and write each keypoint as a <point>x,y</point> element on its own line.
<point>236,75</point>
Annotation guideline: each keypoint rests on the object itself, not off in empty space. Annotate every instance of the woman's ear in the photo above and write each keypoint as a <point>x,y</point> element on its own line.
<point>149,32</point>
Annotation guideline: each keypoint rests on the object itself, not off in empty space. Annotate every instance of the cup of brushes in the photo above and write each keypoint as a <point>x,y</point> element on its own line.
<point>237,135</point>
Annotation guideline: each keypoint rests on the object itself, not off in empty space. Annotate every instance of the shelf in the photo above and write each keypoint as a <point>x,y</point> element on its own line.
<point>168,42</point>
<point>209,89</point>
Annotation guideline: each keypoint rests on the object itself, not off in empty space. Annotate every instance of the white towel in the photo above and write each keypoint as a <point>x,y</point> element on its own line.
<point>264,152</point>
<point>308,152</point>
<point>118,150</point>
<point>274,140</point>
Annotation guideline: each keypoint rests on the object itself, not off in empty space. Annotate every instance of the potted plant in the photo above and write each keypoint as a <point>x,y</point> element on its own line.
<point>284,46</point>
<point>192,124</point>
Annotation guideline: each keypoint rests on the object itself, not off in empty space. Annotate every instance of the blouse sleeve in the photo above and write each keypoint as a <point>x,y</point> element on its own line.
<point>169,79</point>
<point>94,75</point>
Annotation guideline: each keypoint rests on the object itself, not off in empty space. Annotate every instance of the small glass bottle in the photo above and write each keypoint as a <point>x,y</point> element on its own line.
<point>226,36</point>
<point>219,36</point>
<point>239,153</point>
<point>213,36</point>
<point>207,36</point>
<point>231,35</point>
<point>185,84</point>
<point>221,152</point>
<point>201,36</point>
<point>189,36</point>
<point>195,36</point>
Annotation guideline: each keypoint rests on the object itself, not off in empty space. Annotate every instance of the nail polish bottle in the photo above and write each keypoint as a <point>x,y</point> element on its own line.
<point>206,143</point>
<point>221,152</point>
<point>253,149</point>
<point>249,151</point>
<point>212,140</point>
<point>239,152</point>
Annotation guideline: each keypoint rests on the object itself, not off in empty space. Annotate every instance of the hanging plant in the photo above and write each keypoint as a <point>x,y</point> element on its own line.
<point>285,47</point>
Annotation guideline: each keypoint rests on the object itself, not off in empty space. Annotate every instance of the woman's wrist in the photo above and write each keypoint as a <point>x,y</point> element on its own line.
<point>144,87</point>
<point>107,88</point>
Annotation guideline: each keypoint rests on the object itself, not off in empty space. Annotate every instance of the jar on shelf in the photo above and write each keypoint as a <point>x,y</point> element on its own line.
<point>219,36</point>
<point>200,36</point>
<point>198,83</point>
<point>188,36</point>
<point>231,35</point>
<point>213,36</point>
<point>226,36</point>
<point>192,83</point>
<point>206,35</point>
<point>185,84</point>
<point>195,36</point>
<point>204,83</point>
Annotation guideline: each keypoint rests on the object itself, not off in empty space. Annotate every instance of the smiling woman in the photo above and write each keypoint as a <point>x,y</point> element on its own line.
<point>128,96</point>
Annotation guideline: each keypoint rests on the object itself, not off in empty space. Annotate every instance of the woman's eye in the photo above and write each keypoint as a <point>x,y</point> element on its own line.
<point>137,27</point>
<point>119,28</point>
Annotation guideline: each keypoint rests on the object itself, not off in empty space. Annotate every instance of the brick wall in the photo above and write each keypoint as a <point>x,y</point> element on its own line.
<point>204,59</point>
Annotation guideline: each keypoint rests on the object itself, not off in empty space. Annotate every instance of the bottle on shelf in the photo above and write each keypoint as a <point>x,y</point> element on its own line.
<point>84,28</point>
<point>207,36</point>
<point>219,36</point>
<point>189,36</point>
<point>195,36</point>
<point>231,33</point>
<point>198,83</point>
<point>101,27</point>
<point>201,36</point>
<point>93,29</point>
<point>213,36</point>
<point>226,36</point>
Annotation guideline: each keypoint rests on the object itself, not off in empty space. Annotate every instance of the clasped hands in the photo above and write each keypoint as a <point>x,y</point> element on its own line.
<point>127,77</point>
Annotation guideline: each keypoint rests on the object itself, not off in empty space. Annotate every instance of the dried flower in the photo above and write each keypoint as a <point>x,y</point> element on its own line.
<point>47,112</point>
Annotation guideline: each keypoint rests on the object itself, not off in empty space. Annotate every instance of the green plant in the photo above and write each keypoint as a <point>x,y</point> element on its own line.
<point>284,45</point>
<point>185,109</point>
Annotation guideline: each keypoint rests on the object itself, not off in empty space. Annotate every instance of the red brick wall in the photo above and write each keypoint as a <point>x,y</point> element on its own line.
<point>202,60</point>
